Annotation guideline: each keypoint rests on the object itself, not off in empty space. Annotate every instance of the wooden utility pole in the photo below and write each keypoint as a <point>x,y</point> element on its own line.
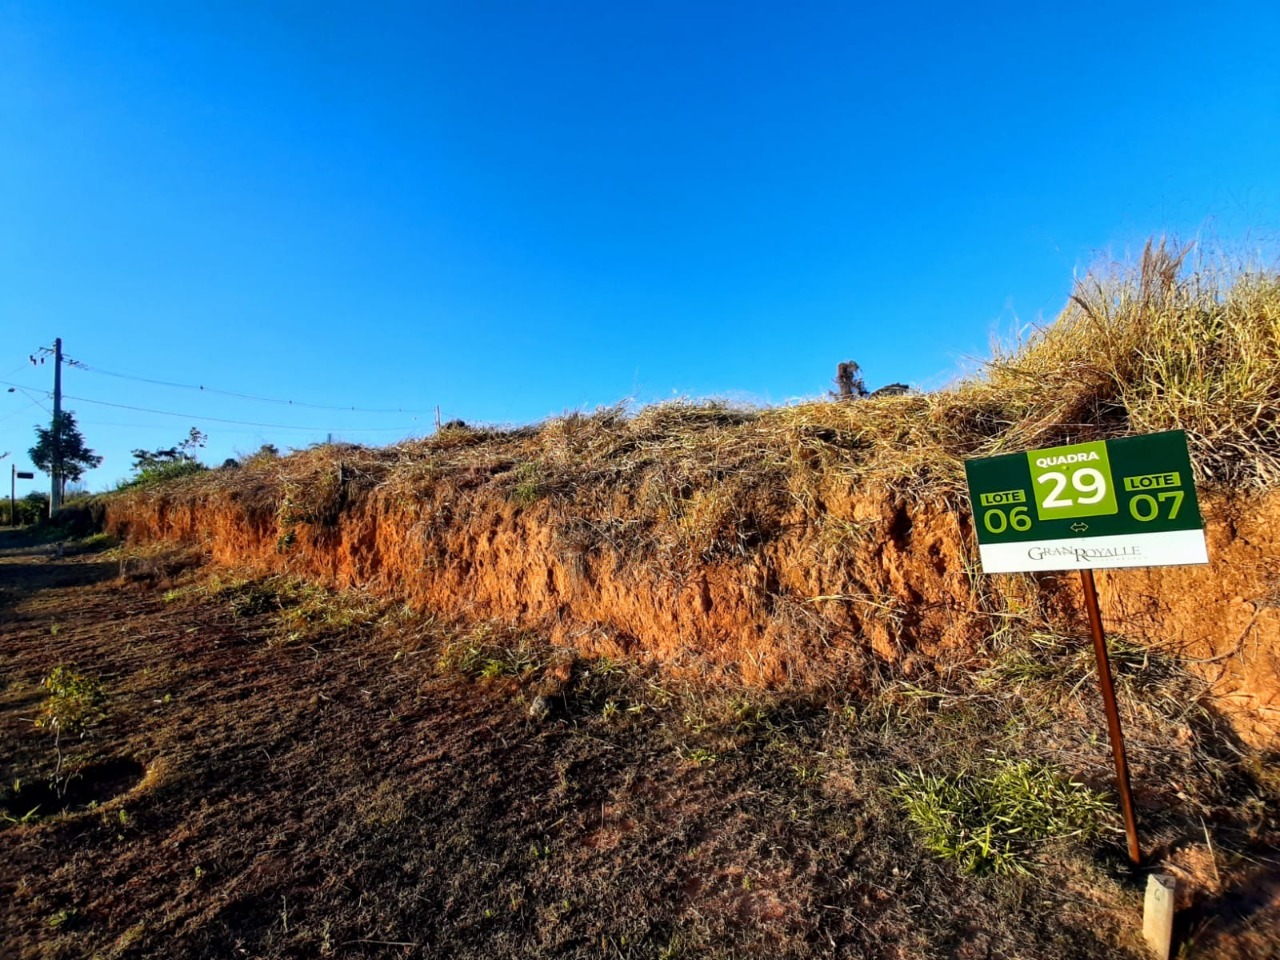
<point>55,490</point>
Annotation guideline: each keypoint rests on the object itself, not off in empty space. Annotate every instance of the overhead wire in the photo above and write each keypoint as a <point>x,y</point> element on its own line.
<point>247,396</point>
<point>197,416</point>
<point>169,427</point>
<point>33,403</point>
<point>26,392</point>
<point>246,423</point>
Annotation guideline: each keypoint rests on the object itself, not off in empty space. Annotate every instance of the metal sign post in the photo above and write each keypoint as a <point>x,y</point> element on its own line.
<point>14,476</point>
<point>1062,508</point>
<point>1115,734</point>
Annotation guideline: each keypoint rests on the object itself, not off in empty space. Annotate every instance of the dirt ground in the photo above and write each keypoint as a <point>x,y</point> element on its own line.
<point>281,773</point>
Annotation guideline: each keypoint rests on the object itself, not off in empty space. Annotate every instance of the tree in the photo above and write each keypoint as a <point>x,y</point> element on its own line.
<point>162,456</point>
<point>60,451</point>
<point>849,381</point>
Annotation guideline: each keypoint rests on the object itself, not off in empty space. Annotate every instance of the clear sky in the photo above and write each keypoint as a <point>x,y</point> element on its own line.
<point>517,209</point>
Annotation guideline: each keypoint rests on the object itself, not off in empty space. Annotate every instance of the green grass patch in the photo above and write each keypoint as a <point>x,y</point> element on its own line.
<point>489,653</point>
<point>993,820</point>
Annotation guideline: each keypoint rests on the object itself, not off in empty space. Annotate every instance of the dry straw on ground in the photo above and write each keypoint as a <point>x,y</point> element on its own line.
<point>1152,347</point>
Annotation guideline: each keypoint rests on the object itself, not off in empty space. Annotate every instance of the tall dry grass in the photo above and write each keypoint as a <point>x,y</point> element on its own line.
<point>1164,343</point>
<point>1156,346</point>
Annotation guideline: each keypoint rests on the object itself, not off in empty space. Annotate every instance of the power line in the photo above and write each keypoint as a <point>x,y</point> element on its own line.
<point>245,423</point>
<point>197,416</point>
<point>221,432</point>
<point>33,403</point>
<point>26,393</point>
<point>244,396</point>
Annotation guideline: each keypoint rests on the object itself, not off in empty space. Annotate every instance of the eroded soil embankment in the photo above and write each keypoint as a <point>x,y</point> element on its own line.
<point>852,579</point>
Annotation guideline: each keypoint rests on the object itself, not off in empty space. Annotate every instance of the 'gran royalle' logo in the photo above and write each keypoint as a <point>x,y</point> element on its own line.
<point>1084,553</point>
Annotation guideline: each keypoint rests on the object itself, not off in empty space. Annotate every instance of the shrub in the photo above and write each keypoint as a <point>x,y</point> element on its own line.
<point>32,508</point>
<point>74,704</point>
<point>164,472</point>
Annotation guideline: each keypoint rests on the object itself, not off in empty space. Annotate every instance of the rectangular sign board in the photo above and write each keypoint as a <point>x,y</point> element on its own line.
<point>23,475</point>
<point>1107,503</point>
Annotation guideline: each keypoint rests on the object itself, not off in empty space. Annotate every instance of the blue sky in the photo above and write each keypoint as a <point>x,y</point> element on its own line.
<point>516,209</point>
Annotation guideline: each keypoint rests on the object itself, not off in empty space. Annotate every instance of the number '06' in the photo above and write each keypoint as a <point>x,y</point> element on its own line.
<point>996,521</point>
<point>1086,480</point>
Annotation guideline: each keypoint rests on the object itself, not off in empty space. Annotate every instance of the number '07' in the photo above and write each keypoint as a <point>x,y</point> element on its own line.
<point>1143,507</point>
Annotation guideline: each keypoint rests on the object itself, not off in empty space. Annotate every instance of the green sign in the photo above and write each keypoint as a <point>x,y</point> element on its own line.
<point>1113,503</point>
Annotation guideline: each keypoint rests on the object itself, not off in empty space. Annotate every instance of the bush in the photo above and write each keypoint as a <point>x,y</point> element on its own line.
<point>164,473</point>
<point>32,508</point>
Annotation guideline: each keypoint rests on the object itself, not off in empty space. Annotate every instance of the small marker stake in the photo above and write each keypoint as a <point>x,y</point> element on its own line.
<point>1157,914</point>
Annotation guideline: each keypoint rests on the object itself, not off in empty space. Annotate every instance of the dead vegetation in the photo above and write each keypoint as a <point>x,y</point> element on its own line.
<point>1154,347</point>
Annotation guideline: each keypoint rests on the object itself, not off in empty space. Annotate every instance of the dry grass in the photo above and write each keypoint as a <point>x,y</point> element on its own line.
<point>1154,346</point>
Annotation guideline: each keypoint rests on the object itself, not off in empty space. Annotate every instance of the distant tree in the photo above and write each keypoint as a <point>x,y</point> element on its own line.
<point>73,458</point>
<point>184,452</point>
<point>849,381</point>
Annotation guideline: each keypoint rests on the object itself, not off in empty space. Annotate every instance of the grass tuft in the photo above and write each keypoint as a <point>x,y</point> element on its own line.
<point>993,820</point>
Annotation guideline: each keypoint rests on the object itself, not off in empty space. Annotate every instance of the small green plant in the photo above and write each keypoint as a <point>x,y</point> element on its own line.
<point>699,756</point>
<point>73,704</point>
<point>990,822</point>
<point>529,483</point>
<point>488,654</point>
<point>61,918</point>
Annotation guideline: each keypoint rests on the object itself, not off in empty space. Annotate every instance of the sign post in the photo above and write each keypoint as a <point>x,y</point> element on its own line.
<point>14,475</point>
<point>1086,506</point>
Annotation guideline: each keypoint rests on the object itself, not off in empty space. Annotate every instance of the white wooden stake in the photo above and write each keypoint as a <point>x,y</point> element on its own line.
<point>1157,914</point>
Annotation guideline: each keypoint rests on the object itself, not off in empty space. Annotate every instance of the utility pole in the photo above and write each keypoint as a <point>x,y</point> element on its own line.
<point>13,481</point>
<point>55,491</point>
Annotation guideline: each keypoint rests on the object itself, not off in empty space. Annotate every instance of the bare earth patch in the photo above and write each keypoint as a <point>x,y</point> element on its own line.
<point>296,775</point>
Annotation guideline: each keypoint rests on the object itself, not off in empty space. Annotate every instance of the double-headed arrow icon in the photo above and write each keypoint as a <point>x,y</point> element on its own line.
<point>1079,527</point>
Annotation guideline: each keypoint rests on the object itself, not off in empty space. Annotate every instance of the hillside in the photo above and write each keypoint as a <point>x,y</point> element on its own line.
<point>815,544</point>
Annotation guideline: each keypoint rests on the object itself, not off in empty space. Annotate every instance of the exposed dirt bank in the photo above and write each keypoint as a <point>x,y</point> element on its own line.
<point>772,581</point>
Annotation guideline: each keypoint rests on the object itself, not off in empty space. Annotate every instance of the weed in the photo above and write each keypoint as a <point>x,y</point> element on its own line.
<point>530,483</point>
<point>60,919</point>
<point>992,821</point>
<point>489,653</point>
<point>73,705</point>
<point>698,756</point>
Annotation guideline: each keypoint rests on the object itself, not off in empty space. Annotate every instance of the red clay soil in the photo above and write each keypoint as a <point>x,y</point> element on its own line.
<point>805,595</point>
